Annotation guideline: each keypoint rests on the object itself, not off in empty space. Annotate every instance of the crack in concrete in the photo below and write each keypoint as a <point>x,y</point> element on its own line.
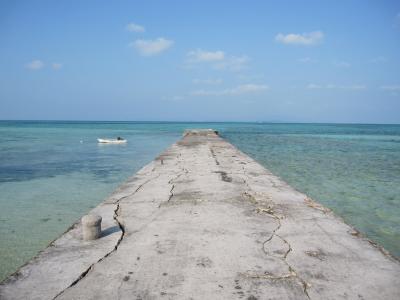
<point>248,193</point>
<point>101,259</point>
<point>271,213</point>
<point>171,192</point>
<point>136,190</point>
<point>214,156</point>
<point>269,276</point>
<point>224,176</point>
<point>122,228</point>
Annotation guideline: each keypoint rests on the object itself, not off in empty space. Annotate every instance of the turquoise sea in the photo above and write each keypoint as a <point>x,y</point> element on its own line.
<point>51,173</point>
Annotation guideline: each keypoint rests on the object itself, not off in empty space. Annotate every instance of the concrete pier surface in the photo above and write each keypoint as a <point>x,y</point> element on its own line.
<point>205,221</point>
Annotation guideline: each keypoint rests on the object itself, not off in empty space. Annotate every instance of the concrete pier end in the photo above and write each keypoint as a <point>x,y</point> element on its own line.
<point>206,221</point>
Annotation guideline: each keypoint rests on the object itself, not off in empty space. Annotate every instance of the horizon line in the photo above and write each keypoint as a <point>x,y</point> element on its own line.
<point>164,121</point>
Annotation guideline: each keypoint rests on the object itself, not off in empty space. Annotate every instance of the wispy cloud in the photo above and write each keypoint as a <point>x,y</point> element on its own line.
<point>199,55</point>
<point>35,65</point>
<point>306,60</point>
<point>250,77</point>
<point>249,88</point>
<point>152,47</point>
<point>233,63</point>
<point>394,87</point>
<point>216,59</point>
<point>175,98</point>
<point>354,87</point>
<point>56,66</point>
<point>378,59</point>
<point>132,27</point>
<point>307,39</point>
<point>342,64</point>
<point>208,81</point>
<point>314,86</point>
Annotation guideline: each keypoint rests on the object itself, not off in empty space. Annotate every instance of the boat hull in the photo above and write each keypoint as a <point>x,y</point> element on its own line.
<point>107,141</point>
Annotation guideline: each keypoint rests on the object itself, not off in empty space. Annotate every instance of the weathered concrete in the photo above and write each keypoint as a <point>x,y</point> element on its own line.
<point>205,221</point>
<point>91,227</point>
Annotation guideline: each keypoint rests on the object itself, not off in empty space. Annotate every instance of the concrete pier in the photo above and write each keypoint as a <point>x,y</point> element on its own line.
<point>205,221</point>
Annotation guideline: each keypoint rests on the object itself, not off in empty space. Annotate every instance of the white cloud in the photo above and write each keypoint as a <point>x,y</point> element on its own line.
<point>152,47</point>
<point>342,64</point>
<point>208,81</point>
<point>132,27</point>
<point>216,59</point>
<point>199,55</point>
<point>334,86</point>
<point>395,87</point>
<point>310,38</point>
<point>249,88</point>
<point>56,66</point>
<point>35,65</point>
<point>233,63</point>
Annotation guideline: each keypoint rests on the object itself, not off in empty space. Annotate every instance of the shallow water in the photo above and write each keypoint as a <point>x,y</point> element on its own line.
<point>51,173</point>
<point>352,169</point>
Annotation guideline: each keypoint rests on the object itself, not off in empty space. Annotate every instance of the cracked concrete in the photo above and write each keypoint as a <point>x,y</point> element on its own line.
<point>205,221</point>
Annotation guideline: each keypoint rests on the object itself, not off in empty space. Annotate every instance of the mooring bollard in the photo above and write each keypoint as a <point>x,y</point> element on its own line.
<point>91,227</point>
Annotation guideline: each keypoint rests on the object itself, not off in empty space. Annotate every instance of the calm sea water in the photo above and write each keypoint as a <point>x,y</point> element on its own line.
<point>51,173</point>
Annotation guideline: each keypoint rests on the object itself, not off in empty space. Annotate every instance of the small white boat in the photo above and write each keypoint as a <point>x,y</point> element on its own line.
<point>111,141</point>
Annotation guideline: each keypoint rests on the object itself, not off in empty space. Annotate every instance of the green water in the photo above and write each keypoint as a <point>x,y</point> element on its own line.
<point>53,172</point>
<point>352,169</point>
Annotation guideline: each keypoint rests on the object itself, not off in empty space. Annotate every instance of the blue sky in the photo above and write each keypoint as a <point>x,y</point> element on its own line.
<point>290,61</point>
